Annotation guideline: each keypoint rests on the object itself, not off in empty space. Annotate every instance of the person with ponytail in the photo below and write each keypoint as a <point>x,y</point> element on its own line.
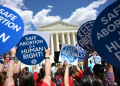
<point>105,76</point>
<point>102,73</point>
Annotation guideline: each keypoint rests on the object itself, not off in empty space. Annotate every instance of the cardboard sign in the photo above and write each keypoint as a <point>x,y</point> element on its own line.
<point>84,35</point>
<point>69,52</point>
<point>82,53</point>
<point>106,34</point>
<point>11,29</point>
<point>31,49</point>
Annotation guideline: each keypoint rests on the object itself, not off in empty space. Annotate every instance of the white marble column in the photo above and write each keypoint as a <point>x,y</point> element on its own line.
<point>63,38</point>
<point>73,38</point>
<point>57,42</point>
<point>52,44</point>
<point>68,38</point>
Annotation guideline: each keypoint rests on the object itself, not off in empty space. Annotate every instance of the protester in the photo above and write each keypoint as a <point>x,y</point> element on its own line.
<point>63,75</point>
<point>104,77</point>
<point>53,71</point>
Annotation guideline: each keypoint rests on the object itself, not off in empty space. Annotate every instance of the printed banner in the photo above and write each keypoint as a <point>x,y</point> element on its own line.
<point>11,29</point>
<point>31,49</point>
<point>69,52</point>
<point>106,34</point>
<point>84,35</point>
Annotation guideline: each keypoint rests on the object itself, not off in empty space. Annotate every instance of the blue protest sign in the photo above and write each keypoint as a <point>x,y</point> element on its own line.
<point>84,35</point>
<point>106,34</point>
<point>69,52</point>
<point>31,49</point>
<point>11,29</point>
<point>82,53</point>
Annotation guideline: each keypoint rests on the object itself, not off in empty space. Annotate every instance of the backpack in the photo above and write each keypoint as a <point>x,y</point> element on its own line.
<point>58,81</point>
<point>75,83</point>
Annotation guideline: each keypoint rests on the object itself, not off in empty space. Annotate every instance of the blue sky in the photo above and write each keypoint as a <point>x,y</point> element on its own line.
<point>36,13</point>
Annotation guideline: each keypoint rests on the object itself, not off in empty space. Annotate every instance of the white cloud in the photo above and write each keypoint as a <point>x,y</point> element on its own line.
<point>16,5</point>
<point>50,6</point>
<point>79,16</point>
<point>84,14</point>
<point>42,18</point>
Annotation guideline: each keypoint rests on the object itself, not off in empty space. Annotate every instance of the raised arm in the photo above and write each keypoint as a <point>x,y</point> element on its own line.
<point>93,54</point>
<point>85,65</point>
<point>34,68</point>
<point>2,63</point>
<point>66,76</point>
<point>47,78</point>
<point>17,69</point>
<point>10,70</point>
<point>110,68</point>
<point>78,69</point>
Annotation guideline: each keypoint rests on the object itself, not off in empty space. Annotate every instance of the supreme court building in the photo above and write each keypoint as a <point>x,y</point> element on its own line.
<point>60,32</point>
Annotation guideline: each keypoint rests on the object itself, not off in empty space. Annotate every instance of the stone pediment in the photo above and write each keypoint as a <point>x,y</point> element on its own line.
<point>58,24</point>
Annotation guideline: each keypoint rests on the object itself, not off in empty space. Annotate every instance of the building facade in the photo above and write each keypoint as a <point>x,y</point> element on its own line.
<point>60,32</point>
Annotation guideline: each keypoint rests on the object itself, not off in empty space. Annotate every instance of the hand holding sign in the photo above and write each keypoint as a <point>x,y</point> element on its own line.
<point>31,49</point>
<point>12,52</point>
<point>69,52</point>
<point>47,52</point>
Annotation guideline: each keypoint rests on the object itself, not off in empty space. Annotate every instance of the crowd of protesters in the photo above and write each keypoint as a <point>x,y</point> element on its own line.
<point>64,74</point>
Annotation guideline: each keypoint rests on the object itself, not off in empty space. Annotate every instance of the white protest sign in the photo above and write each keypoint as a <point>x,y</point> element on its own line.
<point>69,52</point>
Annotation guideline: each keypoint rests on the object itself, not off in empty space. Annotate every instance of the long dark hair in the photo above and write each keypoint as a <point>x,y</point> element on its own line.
<point>26,79</point>
<point>41,73</point>
<point>89,81</point>
<point>74,72</point>
<point>2,77</point>
<point>100,71</point>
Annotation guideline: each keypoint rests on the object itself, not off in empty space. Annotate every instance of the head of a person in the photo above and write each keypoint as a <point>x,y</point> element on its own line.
<point>89,81</point>
<point>74,71</point>
<point>99,71</point>
<point>53,64</point>
<point>62,72</point>
<point>2,77</point>
<point>43,64</point>
<point>80,64</point>
<point>103,62</point>
<point>41,72</point>
<point>59,69</point>
<point>25,69</point>
<point>26,79</point>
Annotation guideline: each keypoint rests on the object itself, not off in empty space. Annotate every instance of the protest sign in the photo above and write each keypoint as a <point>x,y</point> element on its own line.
<point>106,34</point>
<point>69,52</point>
<point>11,29</point>
<point>84,35</point>
<point>31,49</point>
<point>82,53</point>
<point>98,59</point>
